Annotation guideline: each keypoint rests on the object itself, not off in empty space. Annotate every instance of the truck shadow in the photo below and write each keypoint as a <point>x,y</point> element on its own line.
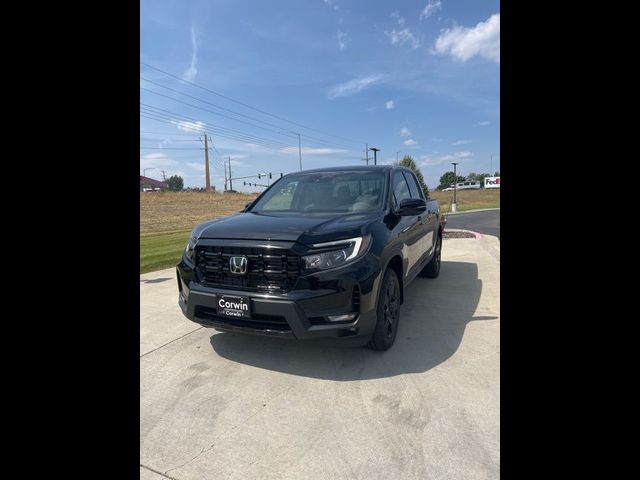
<point>433,319</point>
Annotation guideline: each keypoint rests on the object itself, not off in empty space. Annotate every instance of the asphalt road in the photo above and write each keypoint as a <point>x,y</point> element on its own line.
<point>228,406</point>
<point>487,222</point>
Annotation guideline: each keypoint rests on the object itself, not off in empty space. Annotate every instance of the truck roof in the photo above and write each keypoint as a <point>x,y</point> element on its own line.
<point>353,168</point>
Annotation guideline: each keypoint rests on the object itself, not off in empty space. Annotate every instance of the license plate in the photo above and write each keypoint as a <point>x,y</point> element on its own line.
<point>234,306</point>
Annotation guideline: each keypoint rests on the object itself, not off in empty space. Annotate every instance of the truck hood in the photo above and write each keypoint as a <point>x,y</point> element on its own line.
<point>303,228</point>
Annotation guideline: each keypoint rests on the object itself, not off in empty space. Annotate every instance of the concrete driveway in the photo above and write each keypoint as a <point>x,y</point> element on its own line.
<point>226,406</point>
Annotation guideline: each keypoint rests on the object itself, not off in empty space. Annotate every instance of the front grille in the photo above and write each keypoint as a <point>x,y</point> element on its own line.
<point>268,270</point>
<point>257,321</point>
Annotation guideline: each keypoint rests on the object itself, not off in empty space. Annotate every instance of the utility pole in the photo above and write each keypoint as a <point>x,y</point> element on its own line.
<point>206,164</point>
<point>366,152</point>
<point>164,175</point>
<point>454,205</point>
<point>491,167</point>
<point>375,154</point>
<point>300,150</point>
<point>230,179</point>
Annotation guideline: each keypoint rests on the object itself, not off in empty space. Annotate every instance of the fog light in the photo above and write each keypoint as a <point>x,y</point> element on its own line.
<point>342,318</point>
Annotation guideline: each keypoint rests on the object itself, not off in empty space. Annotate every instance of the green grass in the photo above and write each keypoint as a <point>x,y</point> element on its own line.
<point>161,250</point>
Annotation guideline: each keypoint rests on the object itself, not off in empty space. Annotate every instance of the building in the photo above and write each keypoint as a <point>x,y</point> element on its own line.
<point>150,185</point>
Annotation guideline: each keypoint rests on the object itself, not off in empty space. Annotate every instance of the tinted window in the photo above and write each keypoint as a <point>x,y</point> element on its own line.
<point>414,188</point>
<point>338,192</point>
<point>282,196</point>
<point>400,188</point>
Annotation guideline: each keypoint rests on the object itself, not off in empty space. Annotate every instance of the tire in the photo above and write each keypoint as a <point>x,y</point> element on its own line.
<point>388,313</point>
<point>432,269</point>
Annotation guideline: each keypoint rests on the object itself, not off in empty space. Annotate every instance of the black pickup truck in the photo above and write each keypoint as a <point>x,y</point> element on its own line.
<point>321,254</point>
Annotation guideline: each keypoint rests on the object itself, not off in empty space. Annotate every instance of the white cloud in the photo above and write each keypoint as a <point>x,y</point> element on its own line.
<point>430,9</point>
<point>353,86</point>
<point>313,151</point>
<point>483,123</point>
<point>156,160</point>
<point>400,37</point>
<point>389,104</point>
<point>343,39</point>
<point>410,142</point>
<point>196,166</point>
<point>331,4</point>
<point>190,126</point>
<point>461,142</point>
<point>398,18</point>
<point>192,71</point>
<point>463,43</point>
<point>431,159</point>
<point>404,132</point>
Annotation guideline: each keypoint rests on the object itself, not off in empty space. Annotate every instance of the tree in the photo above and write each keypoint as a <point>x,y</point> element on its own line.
<point>175,183</point>
<point>448,179</point>
<point>478,177</point>
<point>410,163</point>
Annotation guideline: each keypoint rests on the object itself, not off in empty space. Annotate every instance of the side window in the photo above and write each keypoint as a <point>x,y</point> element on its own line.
<point>414,188</point>
<point>400,188</point>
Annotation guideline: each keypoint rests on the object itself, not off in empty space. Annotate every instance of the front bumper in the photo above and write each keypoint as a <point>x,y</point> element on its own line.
<point>299,313</point>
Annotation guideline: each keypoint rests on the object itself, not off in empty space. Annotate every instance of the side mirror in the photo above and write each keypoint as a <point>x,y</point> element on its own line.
<point>411,206</point>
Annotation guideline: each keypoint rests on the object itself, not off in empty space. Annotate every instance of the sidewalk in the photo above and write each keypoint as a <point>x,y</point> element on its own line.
<point>218,405</point>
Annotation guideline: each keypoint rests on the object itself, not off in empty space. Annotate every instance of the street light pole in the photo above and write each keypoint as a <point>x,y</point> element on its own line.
<point>397,155</point>
<point>375,154</point>
<point>454,205</point>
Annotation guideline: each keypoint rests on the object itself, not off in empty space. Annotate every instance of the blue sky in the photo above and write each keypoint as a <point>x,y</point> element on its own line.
<point>418,77</point>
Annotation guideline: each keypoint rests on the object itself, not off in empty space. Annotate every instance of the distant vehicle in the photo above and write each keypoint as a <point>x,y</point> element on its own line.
<point>492,182</point>
<point>463,186</point>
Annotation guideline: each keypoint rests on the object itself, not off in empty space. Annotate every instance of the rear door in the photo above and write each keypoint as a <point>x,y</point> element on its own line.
<point>426,220</point>
<point>409,226</point>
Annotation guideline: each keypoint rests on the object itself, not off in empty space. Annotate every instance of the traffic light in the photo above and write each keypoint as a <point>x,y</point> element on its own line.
<point>280,174</point>
<point>244,183</point>
<point>269,175</point>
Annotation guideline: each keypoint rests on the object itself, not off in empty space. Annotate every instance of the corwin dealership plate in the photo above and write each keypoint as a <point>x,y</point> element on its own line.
<point>234,306</point>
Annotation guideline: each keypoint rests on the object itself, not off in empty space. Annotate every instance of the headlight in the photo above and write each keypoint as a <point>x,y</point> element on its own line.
<point>190,250</point>
<point>352,248</point>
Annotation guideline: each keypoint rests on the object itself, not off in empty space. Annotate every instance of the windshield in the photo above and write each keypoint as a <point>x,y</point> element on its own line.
<point>324,192</point>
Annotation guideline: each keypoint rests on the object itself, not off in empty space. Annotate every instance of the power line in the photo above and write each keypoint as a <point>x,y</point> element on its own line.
<point>171,148</point>
<point>162,112</point>
<point>233,112</point>
<point>173,119</point>
<point>231,136</point>
<point>215,113</point>
<point>247,105</point>
<point>214,105</point>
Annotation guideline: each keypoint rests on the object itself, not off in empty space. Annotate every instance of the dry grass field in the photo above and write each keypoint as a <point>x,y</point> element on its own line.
<point>178,211</point>
<point>167,218</point>
<point>469,199</point>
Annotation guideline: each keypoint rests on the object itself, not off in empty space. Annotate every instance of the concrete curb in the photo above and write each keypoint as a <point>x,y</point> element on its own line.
<point>477,235</point>
<point>470,211</point>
